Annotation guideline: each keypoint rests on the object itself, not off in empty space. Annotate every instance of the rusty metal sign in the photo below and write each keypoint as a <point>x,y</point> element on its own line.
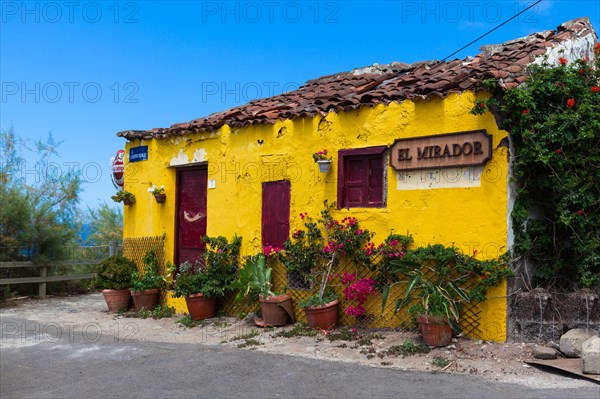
<point>572,366</point>
<point>442,151</point>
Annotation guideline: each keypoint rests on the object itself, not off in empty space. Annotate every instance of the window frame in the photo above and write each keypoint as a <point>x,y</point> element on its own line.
<point>357,152</point>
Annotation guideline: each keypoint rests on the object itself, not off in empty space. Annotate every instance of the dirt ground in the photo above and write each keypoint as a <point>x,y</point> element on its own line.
<point>88,315</point>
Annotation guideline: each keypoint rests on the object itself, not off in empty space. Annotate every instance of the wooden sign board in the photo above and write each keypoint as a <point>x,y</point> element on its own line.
<point>442,151</point>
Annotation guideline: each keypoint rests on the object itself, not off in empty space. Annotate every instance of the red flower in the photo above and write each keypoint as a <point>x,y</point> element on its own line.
<point>585,59</point>
<point>581,71</point>
<point>595,89</point>
<point>570,102</point>
<point>580,212</point>
<point>597,48</point>
<point>559,151</point>
<point>562,61</point>
<point>481,105</point>
<point>524,112</point>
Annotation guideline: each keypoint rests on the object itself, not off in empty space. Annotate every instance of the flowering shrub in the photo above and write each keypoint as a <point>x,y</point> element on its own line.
<point>156,190</point>
<point>392,248</point>
<point>313,252</point>
<point>357,291</point>
<point>557,169</point>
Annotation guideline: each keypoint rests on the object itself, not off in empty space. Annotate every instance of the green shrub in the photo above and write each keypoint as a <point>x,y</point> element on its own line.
<point>115,273</point>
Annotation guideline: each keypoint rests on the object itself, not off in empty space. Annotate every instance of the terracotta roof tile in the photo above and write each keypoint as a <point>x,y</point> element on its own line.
<point>382,84</point>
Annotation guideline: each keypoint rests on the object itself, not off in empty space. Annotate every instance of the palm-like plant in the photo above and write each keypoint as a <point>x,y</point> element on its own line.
<point>431,279</point>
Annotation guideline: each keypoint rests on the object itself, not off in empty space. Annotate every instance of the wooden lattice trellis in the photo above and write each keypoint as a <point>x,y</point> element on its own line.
<point>373,318</point>
<point>135,248</point>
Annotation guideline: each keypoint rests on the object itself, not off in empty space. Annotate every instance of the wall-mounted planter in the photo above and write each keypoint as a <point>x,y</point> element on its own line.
<point>127,202</point>
<point>325,166</point>
<point>160,198</point>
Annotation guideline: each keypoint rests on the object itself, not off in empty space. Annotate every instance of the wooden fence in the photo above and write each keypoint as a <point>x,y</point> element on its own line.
<point>44,278</point>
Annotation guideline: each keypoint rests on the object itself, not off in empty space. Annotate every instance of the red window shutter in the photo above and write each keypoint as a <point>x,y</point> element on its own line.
<point>356,181</point>
<point>375,182</point>
<point>275,213</point>
<point>361,177</point>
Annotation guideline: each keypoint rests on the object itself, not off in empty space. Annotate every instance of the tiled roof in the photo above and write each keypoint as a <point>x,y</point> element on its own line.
<point>382,84</point>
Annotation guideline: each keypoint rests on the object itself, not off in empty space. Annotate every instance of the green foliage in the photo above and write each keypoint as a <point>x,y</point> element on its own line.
<point>554,124</point>
<point>151,277</point>
<point>159,312</point>
<point>314,300</point>
<point>106,224</point>
<point>299,330</point>
<point>212,278</point>
<point>313,252</point>
<point>254,280</point>
<point>39,210</point>
<point>115,273</point>
<point>189,323</point>
<point>440,361</point>
<point>408,347</point>
<point>436,276</point>
<point>123,195</point>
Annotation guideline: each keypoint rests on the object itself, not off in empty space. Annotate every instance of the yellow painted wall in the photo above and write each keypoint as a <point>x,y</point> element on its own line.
<point>470,218</point>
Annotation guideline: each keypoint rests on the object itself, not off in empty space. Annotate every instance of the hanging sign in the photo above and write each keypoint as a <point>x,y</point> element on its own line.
<point>442,151</point>
<point>117,170</point>
<point>137,154</point>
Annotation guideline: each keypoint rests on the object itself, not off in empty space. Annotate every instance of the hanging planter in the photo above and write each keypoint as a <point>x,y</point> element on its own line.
<point>159,193</point>
<point>323,159</point>
<point>124,196</point>
<point>325,166</point>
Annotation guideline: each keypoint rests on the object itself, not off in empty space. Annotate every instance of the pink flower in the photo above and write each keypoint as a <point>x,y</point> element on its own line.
<point>580,212</point>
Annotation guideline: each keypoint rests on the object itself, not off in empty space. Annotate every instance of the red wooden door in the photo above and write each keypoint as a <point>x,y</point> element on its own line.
<point>190,214</point>
<point>275,213</point>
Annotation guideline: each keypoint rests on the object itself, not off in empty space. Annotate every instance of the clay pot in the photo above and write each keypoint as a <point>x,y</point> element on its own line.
<point>436,330</point>
<point>147,299</point>
<point>160,198</point>
<point>322,317</point>
<point>117,299</point>
<point>127,202</point>
<point>201,308</point>
<point>276,309</point>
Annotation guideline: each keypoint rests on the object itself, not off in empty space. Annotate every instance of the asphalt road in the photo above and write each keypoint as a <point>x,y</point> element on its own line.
<point>42,362</point>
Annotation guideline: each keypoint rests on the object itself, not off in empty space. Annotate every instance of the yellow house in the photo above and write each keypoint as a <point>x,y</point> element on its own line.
<point>407,156</point>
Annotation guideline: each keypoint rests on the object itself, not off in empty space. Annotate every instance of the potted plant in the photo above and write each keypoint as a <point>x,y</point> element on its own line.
<point>159,193</point>
<point>114,278</point>
<point>433,277</point>
<point>313,253</point>
<point>254,283</point>
<point>145,287</point>
<point>202,283</point>
<point>323,160</point>
<point>124,196</point>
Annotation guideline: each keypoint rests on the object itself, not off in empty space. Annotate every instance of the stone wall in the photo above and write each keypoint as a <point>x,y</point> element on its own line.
<point>542,316</point>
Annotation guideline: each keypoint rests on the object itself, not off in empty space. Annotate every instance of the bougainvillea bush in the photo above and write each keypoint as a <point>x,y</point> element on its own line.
<point>554,124</point>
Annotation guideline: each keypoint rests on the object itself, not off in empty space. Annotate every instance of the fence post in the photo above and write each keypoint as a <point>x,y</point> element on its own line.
<point>42,286</point>
<point>113,248</point>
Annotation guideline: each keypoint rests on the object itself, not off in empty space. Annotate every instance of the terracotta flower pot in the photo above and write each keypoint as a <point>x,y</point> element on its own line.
<point>276,309</point>
<point>201,308</point>
<point>147,299</point>
<point>117,299</point>
<point>322,317</point>
<point>160,198</point>
<point>127,202</point>
<point>436,330</point>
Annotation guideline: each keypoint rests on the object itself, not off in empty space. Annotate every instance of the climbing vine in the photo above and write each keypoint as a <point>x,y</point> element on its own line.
<point>554,124</point>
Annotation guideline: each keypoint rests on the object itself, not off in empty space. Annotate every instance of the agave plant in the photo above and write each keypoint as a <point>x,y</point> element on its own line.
<point>254,280</point>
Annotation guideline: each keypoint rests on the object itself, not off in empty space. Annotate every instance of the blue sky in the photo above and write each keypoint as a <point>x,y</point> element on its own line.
<point>85,70</point>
